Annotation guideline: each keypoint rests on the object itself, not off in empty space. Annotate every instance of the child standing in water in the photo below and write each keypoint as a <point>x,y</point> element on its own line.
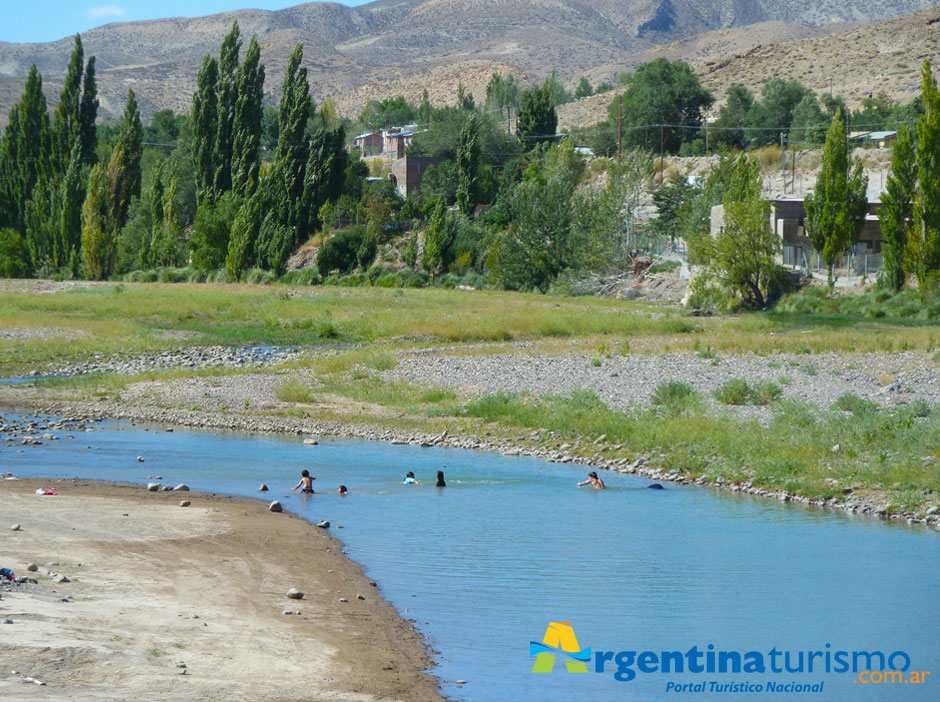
<point>593,481</point>
<point>410,479</point>
<point>440,479</point>
<point>305,484</point>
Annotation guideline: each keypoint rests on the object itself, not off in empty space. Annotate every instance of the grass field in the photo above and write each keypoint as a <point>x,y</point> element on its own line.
<point>133,318</point>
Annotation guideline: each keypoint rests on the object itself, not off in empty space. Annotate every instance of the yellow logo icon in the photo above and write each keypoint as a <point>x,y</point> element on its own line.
<point>559,639</point>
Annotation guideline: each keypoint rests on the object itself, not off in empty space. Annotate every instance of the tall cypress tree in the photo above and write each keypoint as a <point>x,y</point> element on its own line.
<point>67,123</point>
<point>70,195</point>
<point>227,91</point>
<point>98,241</point>
<point>205,125</point>
<point>88,113</point>
<point>326,170</point>
<point>923,242</point>
<point>247,125</point>
<point>285,191</point>
<point>898,208</point>
<point>468,165</point>
<point>28,146</point>
<point>836,209</point>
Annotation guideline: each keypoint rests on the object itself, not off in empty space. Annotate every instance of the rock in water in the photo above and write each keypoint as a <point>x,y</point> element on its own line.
<point>153,487</point>
<point>275,506</point>
<point>311,442</point>
<point>140,459</point>
<point>185,503</point>
<point>263,488</point>
<point>655,486</point>
<point>295,594</point>
<point>324,524</point>
<point>182,487</point>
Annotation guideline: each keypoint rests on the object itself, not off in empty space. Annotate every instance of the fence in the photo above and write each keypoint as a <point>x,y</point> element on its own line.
<point>652,245</point>
<point>850,265</point>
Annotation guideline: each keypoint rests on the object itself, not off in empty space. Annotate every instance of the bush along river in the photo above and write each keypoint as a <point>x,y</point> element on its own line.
<point>626,593</point>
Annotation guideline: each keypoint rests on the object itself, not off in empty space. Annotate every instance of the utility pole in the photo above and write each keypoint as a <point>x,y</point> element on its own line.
<point>620,128</point>
<point>783,164</point>
<point>705,117</point>
<point>662,147</point>
<point>508,120</point>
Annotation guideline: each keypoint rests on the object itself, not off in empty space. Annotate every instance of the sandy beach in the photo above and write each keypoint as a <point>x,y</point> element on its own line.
<point>187,603</point>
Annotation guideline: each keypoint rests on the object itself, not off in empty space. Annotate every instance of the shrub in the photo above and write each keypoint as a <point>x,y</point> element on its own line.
<point>765,392</point>
<point>920,408</point>
<point>674,396</point>
<point>850,402</point>
<point>346,249</point>
<point>14,255</point>
<point>664,266</point>
<point>708,352</point>
<point>733,392</point>
<point>300,276</point>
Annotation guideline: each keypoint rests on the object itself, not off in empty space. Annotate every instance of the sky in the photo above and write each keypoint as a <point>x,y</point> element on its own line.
<point>48,20</point>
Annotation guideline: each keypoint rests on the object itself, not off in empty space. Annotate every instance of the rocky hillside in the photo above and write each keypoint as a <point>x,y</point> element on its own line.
<point>351,53</point>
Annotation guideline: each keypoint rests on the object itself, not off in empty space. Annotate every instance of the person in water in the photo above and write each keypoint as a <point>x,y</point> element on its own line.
<point>593,481</point>
<point>410,479</point>
<point>341,490</point>
<point>440,479</point>
<point>305,484</point>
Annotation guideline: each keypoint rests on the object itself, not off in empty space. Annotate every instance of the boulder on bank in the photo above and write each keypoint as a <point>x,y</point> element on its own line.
<point>295,594</point>
<point>275,506</point>
<point>153,487</point>
<point>182,487</point>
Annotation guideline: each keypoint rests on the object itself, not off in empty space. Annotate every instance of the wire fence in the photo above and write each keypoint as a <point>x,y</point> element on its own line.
<point>653,245</point>
<point>851,264</point>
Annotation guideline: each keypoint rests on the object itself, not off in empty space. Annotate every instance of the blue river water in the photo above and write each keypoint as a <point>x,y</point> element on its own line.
<point>512,544</point>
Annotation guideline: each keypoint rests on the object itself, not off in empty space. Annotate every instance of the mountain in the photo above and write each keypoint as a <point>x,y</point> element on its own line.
<point>401,46</point>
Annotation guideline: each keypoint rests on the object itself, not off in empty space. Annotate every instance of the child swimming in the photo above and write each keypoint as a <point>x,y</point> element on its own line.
<point>305,484</point>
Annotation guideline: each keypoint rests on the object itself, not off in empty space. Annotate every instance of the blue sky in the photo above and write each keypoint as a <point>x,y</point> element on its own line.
<point>47,20</point>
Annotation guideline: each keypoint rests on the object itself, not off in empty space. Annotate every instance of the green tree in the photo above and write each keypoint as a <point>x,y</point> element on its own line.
<point>70,196</point>
<point>124,174</point>
<point>557,92</point>
<point>25,152</point>
<point>88,114</point>
<point>922,252</point>
<point>14,256</point>
<point>440,182</point>
<point>836,209</point>
<point>729,127</point>
<point>246,140</point>
<point>67,122</point>
<point>897,211</point>
<point>227,98</point>
<point>501,93</point>
<point>584,89</point>
<point>438,238</point>
<point>244,234</point>
<point>537,120</point>
<point>741,257</point>
<point>771,117</point>
<point>325,171</point>
<point>538,244</point>
<point>98,244</point>
<point>666,94</point>
<point>468,166</point>
<point>205,119</point>
<point>808,124</point>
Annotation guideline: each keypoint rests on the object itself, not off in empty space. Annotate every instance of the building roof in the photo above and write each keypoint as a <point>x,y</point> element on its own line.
<point>363,136</point>
<point>875,136</point>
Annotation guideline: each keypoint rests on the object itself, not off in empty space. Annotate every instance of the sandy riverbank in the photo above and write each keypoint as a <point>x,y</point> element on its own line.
<point>153,585</point>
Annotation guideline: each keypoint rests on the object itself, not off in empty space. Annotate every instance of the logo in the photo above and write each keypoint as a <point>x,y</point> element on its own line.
<point>559,638</point>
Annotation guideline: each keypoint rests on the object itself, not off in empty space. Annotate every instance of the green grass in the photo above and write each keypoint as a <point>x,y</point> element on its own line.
<point>738,391</point>
<point>675,397</point>
<point>881,449</point>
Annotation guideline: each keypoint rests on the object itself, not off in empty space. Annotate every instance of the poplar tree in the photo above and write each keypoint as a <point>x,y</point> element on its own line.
<point>246,140</point>
<point>468,165</point>
<point>922,251</point>
<point>68,227</point>
<point>537,118</point>
<point>205,117</point>
<point>67,122</point>
<point>227,92</point>
<point>88,113</point>
<point>325,174</point>
<point>124,173</point>
<point>98,244</point>
<point>897,211</point>
<point>836,209</point>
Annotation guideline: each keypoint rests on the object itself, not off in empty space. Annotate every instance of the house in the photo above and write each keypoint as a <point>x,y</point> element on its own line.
<point>408,171</point>
<point>789,215</point>
<point>880,139</point>
<point>369,143</point>
<point>396,139</point>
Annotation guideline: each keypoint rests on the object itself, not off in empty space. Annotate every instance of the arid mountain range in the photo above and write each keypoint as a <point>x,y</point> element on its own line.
<point>393,47</point>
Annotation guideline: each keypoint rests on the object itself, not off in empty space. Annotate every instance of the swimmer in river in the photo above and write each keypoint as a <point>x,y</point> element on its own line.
<point>410,479</point>
<point>593,481</point>
<point>341,490</point>
<point>440,479</point>
<point>305,484</point>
